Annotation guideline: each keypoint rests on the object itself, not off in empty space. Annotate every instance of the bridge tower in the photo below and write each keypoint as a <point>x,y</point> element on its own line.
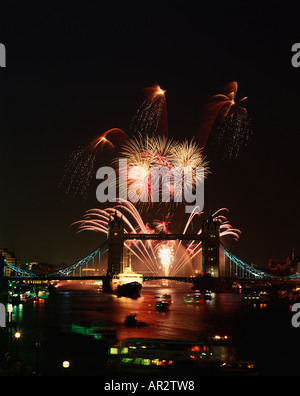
<point>115,246</point>
<point>210,247</point>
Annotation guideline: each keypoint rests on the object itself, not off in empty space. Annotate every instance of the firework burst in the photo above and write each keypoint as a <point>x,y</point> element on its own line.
<point>231,119</point>
<point>80,169</point>
<point>148,153</point>
<point>166,255</point>
<point>233,132</point>
<point>151,116</point>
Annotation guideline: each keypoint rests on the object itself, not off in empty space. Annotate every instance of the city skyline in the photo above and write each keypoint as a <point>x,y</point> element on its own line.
<point>58,94</point>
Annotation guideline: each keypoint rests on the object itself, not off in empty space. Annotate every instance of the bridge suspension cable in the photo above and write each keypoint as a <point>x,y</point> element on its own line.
<point>21,271</point>
<point>294,276</point>
<point>256,273</point>
<point>80,263</point>
<point>63,271</point>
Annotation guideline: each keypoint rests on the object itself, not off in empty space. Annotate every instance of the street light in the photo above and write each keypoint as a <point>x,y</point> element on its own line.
<point>17,337</point>
<point>66,364</point>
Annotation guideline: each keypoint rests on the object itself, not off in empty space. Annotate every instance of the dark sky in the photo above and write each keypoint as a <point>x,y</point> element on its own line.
<point>73,72</point>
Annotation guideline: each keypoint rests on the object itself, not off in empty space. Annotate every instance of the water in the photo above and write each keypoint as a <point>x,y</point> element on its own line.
<point>262,332</point>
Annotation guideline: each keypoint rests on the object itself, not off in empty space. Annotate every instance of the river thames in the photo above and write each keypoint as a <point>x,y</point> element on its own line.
<point>52,329</point>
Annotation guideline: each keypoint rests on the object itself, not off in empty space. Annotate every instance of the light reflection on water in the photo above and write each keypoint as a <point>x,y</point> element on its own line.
<point>184,320</point>
<point>257,329</point>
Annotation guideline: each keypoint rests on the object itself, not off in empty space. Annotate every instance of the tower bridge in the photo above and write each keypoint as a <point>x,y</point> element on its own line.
<point>232,267</point>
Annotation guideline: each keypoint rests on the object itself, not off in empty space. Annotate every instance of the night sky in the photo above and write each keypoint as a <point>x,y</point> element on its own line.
<point>73,72</point>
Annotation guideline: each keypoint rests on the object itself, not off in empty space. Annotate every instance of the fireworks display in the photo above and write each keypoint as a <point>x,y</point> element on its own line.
<point>230,119</point>
<point>147,147</point>
<point>97,220</point>
<point>145,153</point>
<point>233,132</point>
<point>151,117</point>
<point>166,255</point>
<point>81,168</point>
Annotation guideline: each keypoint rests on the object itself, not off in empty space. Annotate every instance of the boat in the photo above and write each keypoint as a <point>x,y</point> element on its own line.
<point>162,306</point>
<point>43,293</point>
<point>14,298</point>
<point>127,284</point>
<point>207,295</point>
<point>167,298</point>
<point>131,321</point>
<point>131,289</point>
<point>167,356</point>
<point>100,330</point>
<point>25,297</point>
<point>189,299</point>
<point>152,353</point>
<point>192,298</point>
<point>253,297</point>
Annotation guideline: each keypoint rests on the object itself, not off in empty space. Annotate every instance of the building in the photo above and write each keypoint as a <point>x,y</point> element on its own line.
<point>284,267</point>
<point>279,267</point>
<point>41,268</point>
<point>295,262</point>
<point>127,260</point>
<point>11,259</point>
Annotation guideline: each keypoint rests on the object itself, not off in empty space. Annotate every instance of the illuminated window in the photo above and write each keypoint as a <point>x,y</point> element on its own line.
<point>195,348</point>
<point>155,362</point>
<point>138,361</point>
<point>126,360</point>
<point>146,362</point>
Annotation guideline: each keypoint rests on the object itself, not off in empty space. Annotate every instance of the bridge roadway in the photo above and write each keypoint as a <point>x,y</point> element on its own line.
<point>252,283</point>
<point>91,277</point>
<point>164,236</point>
